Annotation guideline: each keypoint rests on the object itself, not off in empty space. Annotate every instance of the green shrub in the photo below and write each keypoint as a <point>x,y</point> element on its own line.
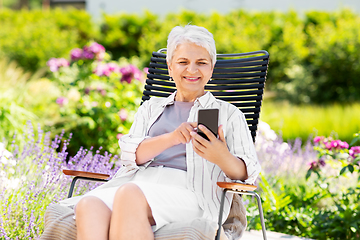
<point>313,59</point>
<point>97,98</point>
<point>32,37</point>
<point>15,109</point>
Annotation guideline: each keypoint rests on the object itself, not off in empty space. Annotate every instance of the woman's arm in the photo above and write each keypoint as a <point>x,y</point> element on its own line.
<point>151,147</point>
<point>217,152</point>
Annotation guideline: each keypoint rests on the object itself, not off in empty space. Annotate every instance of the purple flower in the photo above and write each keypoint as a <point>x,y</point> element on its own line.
<point>62,101</point>
<point>76,54</point>
<point>129,72</point>
<point>87,55</point>
<point>87,90</point>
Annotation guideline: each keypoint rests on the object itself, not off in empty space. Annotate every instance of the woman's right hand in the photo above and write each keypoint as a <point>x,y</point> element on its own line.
<point>181,135</point>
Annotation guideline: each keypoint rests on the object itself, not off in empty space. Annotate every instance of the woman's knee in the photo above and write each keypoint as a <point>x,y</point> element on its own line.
<point>86,204</point>
<point>129,191</point>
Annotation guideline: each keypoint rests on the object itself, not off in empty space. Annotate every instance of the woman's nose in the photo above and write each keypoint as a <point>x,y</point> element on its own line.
<point>192,68</point>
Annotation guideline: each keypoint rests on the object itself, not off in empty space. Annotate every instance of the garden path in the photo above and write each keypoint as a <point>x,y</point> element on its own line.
<point>257,235</point>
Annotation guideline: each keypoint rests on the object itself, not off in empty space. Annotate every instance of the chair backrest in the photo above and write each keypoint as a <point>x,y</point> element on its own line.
<point>237,78</point>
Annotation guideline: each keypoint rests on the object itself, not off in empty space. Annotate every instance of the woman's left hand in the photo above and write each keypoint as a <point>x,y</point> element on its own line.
<point>213,150</point>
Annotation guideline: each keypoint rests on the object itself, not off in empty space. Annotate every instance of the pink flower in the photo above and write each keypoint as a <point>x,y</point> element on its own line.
<point>113,67</point>
<point>55,63</point>
<point>344,145</point>
<point>123,114</point>
<point>119,135</point>
<point>328,145</point>
<point>103,69</point>
<point>62,101</point>
<point>335,144</point>
<point>354,151</point>
<point>96,48</point>
<point>318,139</point>
<point>76,54</point>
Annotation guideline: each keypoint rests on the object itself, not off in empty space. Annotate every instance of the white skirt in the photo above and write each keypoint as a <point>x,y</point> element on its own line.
<point>166,193</point>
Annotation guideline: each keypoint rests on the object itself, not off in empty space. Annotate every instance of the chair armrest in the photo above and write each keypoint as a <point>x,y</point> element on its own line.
<point>85,174</point>
<point>237,186</point>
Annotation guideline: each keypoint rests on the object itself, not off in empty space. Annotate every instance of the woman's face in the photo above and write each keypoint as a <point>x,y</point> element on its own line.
<point>191,69</point>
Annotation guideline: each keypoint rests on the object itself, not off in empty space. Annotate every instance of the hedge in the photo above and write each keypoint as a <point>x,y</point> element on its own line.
<point>314,58</point>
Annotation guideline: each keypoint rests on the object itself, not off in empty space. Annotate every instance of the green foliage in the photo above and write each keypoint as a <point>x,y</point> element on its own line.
<point>314,59</point>
<point>122,34</point>
<point>96,104</point>
<point>33,37</point>
<point>14,107</point>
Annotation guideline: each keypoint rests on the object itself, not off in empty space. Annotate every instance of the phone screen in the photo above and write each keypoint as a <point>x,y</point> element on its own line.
<point>208,118</point>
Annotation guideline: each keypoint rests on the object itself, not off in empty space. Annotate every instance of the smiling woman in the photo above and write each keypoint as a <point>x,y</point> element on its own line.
<point>164,145</point>
<point>191,68</point>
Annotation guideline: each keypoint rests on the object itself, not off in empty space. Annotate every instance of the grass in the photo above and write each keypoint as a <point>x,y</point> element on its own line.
<point>304,121</point>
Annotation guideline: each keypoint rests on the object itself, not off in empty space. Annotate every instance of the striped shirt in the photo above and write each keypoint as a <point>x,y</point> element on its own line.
<point>202,175</point>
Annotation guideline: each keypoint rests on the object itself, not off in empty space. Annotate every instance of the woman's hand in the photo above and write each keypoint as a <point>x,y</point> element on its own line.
<point>183,133</point>
<point>216,151</point>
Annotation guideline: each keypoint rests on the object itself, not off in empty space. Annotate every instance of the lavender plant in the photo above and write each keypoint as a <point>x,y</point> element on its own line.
<point>31,179</point>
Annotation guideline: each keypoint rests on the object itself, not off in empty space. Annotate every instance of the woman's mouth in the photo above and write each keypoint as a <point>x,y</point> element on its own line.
<point>192,79</point>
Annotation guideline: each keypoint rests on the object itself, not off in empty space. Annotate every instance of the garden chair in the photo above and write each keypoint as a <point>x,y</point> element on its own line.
<point>237,78</point>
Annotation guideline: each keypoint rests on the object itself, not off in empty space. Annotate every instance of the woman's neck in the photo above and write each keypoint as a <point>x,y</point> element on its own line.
<point>187,97</point>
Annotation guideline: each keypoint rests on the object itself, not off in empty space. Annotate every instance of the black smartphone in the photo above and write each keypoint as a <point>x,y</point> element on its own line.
<point>209,118</point>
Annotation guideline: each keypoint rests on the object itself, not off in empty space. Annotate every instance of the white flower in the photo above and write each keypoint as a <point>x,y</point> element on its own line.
<point>5,155</point>
<point>266,131</point>
<point>12,183</point>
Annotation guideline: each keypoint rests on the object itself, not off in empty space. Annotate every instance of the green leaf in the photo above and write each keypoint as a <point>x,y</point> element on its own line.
<point>351,168</point>
<point>343,170</point>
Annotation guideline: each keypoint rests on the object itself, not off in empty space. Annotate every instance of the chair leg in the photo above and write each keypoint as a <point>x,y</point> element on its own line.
<point>258,199</point>
<point>82,178</point>
<point>221,214</point>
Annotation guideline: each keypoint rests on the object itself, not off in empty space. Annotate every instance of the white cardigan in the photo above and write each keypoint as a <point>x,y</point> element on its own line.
<point>202,175</point>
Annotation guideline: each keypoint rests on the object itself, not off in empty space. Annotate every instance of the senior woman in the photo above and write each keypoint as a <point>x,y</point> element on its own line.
<point>169,172</point>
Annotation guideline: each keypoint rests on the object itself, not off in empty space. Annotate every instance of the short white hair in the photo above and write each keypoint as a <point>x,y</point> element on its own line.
<point>194,34</point>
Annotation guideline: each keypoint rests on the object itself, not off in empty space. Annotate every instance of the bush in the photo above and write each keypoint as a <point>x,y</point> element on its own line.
<point>314,59</point>
<point>14,95</point>
<point>296,201</point>
<point>32,37</point>
<point>97,99</point>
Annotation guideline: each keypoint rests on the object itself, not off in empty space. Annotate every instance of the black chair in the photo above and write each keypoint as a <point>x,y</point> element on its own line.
<point>238,78</point>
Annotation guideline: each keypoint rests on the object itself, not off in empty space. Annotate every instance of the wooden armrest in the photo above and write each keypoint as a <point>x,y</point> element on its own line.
<point>85,174</point>
<point>237,186</point>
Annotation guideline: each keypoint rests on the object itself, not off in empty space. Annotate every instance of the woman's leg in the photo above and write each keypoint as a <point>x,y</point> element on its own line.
<point>131,216</point>
<point>92,219</point>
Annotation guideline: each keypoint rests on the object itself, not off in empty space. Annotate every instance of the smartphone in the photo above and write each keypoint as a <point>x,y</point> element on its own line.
<point>209,118</point>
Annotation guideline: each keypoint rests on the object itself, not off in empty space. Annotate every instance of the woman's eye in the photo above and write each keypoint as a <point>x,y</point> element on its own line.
<point>202,63</point>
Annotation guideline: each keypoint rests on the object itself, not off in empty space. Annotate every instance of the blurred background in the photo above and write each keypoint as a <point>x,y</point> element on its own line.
<point>71,79</point>
<point>313,80</point>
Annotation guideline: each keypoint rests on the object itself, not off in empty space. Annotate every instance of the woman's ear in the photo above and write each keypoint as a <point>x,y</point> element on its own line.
<point>169,68</point>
